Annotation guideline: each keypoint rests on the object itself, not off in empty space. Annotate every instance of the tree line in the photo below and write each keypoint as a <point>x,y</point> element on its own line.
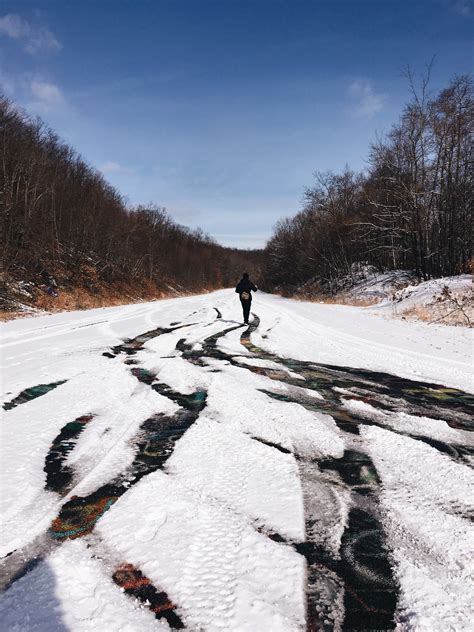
<point>411,210</point>
<point>60,214</point>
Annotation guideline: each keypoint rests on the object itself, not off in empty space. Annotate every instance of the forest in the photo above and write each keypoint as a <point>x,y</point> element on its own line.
<point>60,218</point>
<point>410,210</point>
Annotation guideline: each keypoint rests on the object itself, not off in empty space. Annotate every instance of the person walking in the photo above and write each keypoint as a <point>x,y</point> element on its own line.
<point>244,289</point>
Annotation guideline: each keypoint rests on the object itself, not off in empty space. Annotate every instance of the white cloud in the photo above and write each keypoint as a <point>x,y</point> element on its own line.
<point>109,166</point>
<point>36,94</point>
<point>34,39</point>
<point>47,95</point>
<point>463,7</point>
<point>7,84</point>
<point>366,103</point>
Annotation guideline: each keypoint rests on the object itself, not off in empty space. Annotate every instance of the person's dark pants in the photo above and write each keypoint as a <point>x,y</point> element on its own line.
<point>246,309</point>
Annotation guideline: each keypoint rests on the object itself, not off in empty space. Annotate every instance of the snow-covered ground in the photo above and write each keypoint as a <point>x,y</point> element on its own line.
<point>366,338</point>
<point>399,294</point>
<point>297,474</point>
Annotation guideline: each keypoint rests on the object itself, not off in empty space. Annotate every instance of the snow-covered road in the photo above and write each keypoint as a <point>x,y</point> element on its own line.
<point>164,466</point>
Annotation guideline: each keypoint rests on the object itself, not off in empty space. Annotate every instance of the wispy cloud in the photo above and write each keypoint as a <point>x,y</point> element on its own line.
<point>37,94</point>
<point>110,166</point>
<point>34,39</point>
<point>7,84</point>
<point>463,7</point>
<point>365,102</point>
<point>47,96</point>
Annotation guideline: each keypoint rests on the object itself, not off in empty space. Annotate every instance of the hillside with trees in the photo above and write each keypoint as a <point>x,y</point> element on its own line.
<point>411,210</point>
<point>62,220</point>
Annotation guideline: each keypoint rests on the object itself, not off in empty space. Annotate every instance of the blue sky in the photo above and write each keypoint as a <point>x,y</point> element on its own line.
<point>222,110</point>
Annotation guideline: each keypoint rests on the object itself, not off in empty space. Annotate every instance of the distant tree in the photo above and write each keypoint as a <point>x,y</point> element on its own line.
<point>59,212</point>
<point>412,210</point>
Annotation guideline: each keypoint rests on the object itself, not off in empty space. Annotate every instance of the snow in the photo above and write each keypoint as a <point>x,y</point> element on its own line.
<point>366,282</point>
<point>399,293</point>
<point>352,336</point>
<point>66,593</point>
<point>217,528</point>
<point>411,424</point>
<point>234,400</point>
<point>399,290</point>
<point>427,292</point>
<point>427,502</point>
<point>237,464</point>
<point>24,504</point>
<point>204,548</point>
<point>269,365</point>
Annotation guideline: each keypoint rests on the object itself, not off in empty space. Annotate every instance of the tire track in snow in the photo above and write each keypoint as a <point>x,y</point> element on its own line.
<point>341,592</point>
<point>137,585</point>
<point>31,393</point>
<point>356,590</point>
<point>134,345</point>
<point>154,441</point>
<point>60,476</point>
<point>210,573</point>
<point>130,346</point>
<point>364,531</point>
<point>370,589</point>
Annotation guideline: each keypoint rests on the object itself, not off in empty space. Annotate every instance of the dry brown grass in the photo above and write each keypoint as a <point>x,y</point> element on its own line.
<point>418,313</point>
<point>5,316</point>
<point>339,300</point>
<point>82,299</point>
<point>76,299</point>
<point>442,315</point>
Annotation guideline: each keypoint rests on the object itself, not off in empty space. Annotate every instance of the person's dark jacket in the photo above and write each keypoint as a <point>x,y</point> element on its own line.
<point>245,285</point>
